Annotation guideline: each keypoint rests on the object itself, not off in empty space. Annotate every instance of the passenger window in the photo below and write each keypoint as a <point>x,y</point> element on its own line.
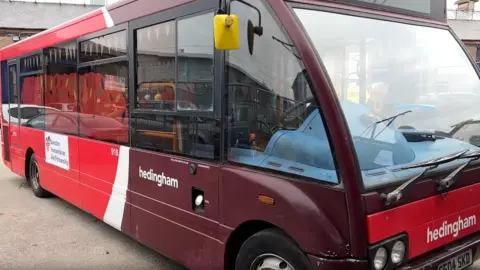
<point>65,124</point>
<point>156,67</point>
<point>274,121</point>
<point>103,102</point>
<point>12,73</point>
<point>164,90</point>
<point>41,120</point>
<point>159,87</point>
<point>14,112</point>
<point>60,83</point>
<point>104,47</point>
<point>31,87</point>
<point>185,135</point>
<point>31,63</point>
<point>195,63</point>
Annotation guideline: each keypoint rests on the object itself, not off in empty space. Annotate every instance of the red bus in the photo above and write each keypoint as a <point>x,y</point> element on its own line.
<point>300,134</point>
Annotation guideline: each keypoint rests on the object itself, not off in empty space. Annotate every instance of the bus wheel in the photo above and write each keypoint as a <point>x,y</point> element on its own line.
<point>271,249</point>
<point>34,177</point>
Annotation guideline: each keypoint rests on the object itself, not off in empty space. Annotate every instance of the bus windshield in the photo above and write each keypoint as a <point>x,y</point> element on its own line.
<point>409,93</point>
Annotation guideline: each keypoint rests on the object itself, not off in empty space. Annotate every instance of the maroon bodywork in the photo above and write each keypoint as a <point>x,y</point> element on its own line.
<point>328,222</point>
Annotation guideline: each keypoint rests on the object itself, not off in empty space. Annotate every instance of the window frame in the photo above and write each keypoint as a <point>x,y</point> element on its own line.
<point>175,14</point>
<point>105,32</point>
<point>371,14</point>
<point>109,31</point>
<point>185,11</point>
<point>115,29</point>
<point>225,98</point>
<point>13,62</point>
<point>23,75</point>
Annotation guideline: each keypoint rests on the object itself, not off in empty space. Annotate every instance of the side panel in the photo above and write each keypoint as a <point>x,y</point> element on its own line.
<point>98,167</point>
<point>60,164</point>
<point>17,155</point>
<point>313,215</point>
<point>160,194</point>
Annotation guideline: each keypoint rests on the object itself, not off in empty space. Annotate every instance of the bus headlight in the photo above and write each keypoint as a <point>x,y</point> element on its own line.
<point>380,259</point>
<point>390,253</point>
<point>398,252</point>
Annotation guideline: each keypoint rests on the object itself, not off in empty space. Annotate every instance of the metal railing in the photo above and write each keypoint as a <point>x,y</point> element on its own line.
<point>465,15</point>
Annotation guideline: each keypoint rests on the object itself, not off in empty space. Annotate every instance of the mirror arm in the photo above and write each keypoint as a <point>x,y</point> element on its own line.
<point>259,28</point>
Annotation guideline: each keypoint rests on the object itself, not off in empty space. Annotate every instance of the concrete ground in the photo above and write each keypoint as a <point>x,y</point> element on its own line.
<point>52,234</point>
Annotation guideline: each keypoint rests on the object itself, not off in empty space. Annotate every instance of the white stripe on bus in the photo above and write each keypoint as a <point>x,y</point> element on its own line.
<point>116,205</point>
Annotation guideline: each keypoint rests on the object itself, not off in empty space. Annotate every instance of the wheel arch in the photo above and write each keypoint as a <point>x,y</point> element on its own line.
<point>28,155</point>
<point>240,234</point>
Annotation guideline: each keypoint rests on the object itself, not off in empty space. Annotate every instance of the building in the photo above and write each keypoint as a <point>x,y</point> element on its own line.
<point>21,19</point>
<point>465,21</point>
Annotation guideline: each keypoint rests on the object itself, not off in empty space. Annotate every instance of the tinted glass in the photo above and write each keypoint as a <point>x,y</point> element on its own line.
<point>398,70</point>
<point>155,50</point>
<point>184,135</point>
<point>31,63</point>
<point>274,122</point>
<point>103,102</point>
<point>195,63</point>
<point>13,89</point>
<point>60,82</point>
<point>104,47</point>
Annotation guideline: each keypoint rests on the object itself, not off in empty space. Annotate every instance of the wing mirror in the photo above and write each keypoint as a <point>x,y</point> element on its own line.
<point>227,30</point>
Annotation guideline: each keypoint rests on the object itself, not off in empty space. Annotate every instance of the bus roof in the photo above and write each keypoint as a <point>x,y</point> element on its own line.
<point>126,10</point>
<point>94,21</point>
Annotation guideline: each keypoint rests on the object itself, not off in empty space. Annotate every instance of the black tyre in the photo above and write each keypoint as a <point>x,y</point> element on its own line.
<point>34,179</point>
<point>271,249</point>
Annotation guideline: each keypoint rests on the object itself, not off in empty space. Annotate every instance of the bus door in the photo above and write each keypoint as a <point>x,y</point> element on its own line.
<point>174,179</point>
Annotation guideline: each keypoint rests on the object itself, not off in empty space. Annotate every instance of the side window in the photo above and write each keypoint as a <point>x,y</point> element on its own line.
<point>195,63</point>
<point>13,88</point>
<point>61,82</point>
<point>175,83</point>
<point>31,86</point>
<point>104,47</point>
<point>156,63</point>
<point>103,89</point>
<point>13,112</point>
<point>64,124</point>
<point>274,121</point>
<point>42,120</point>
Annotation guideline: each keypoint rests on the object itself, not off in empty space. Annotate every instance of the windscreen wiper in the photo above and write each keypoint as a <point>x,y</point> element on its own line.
<point>390,121</point>
<point>448,181</point>
<point>395,195</point>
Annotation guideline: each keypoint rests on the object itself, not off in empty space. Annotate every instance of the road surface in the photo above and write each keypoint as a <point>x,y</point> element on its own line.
<point>52,234</point>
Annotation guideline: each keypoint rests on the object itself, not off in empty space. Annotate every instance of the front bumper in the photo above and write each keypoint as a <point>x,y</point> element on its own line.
<point>434,258</point>
<point>430,260</point>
